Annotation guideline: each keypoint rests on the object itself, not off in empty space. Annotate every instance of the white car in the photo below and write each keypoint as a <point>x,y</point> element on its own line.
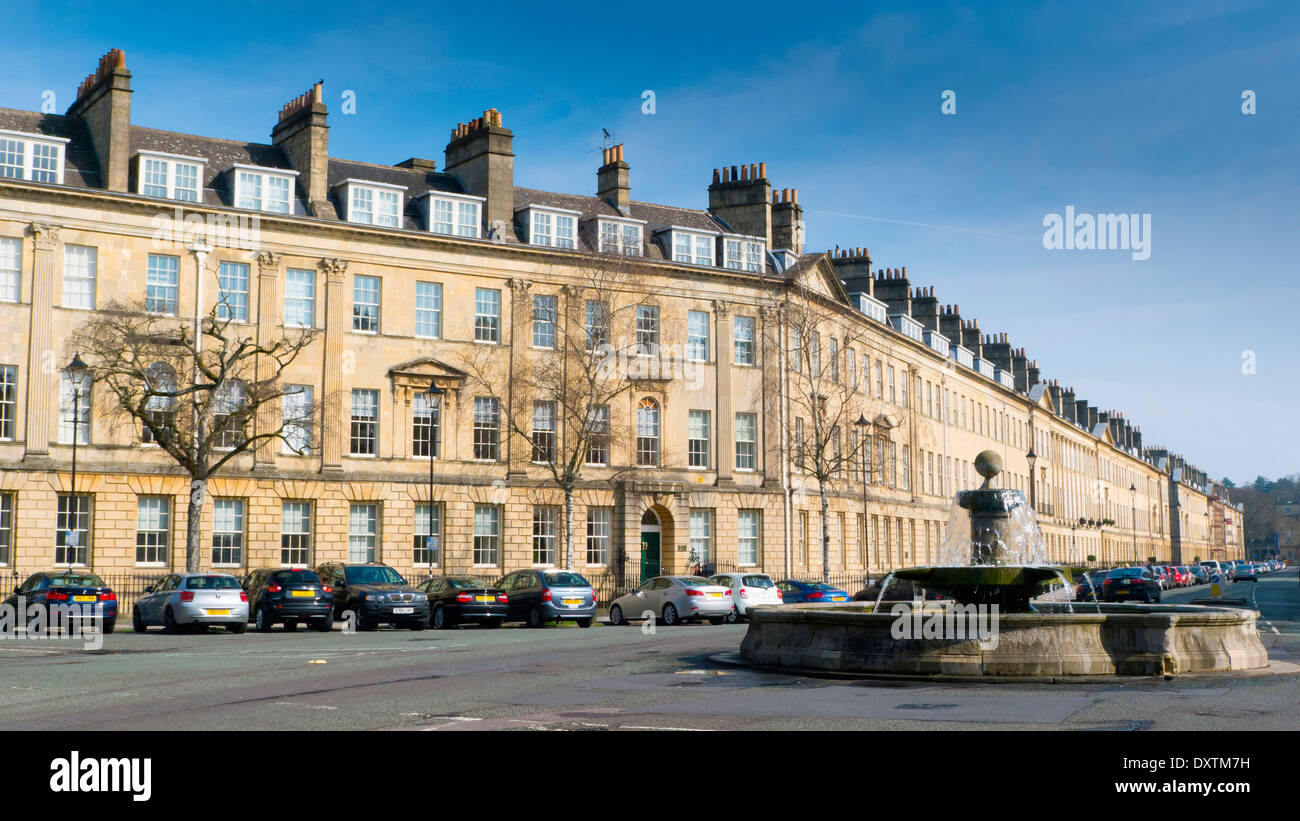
<point>748,590</point>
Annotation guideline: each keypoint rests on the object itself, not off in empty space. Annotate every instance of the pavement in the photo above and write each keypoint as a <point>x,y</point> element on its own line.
<point>564,678</point>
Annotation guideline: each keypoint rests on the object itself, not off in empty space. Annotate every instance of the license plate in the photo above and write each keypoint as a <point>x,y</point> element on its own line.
<point>85,598</point>
<point>485,598</point>
<point>218,612</point>
<point>838,598</point>
<point>714,595</point>
<point>305,594</point>
<point>403,611</point>
<point>1121,592</point>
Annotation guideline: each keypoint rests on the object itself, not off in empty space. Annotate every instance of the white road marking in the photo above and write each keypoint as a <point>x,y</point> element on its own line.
<point>308,706</point>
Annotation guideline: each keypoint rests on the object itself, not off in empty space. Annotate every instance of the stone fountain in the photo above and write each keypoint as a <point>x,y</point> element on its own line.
<point>992,619</point>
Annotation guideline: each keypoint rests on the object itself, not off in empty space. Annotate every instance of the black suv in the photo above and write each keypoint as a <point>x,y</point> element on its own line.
<point>288,595</point>
<point>375,594</point>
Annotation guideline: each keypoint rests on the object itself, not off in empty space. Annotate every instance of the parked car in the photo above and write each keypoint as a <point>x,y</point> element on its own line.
<point>289,596</point>
<point>1216,571</point>
<point>1200,574</point>
<point>96,600</point>
<point>1182,576</point>
<point>795,591</point>
<point>194,600</point>
<point>457,600</point>
<point>1162,576</point>
<point>1247,572</point>
<point>674,599</point>
<point>1089,586</point>
<point>898,590</point>
<point>375,594</point>
<point>1129,584</point>
<point>537,597</point>
<point>748,590</point>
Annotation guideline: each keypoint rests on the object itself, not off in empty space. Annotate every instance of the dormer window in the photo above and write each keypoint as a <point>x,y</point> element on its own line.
<point>693,248</point>
<point>454,215</point>
<point>620,237</point>
<point>170,176</point>
<point>555,227</point>
<point>263,189</point>
<point>743,254</point>
<point>32,157</point>
<point>373,203</point>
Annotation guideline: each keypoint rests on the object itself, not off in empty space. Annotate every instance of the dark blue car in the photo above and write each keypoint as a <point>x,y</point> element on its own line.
<point>80,593</point>
<point>794,591</point>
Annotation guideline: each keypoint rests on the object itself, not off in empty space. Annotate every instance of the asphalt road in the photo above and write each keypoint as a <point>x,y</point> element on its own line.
<point>601,678</point>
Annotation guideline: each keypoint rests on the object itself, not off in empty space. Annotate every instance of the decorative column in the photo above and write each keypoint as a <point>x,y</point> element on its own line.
<point>268,326</point>
<point>724,435</point>
<point>517,458</point>
<point>332,431</point>
<point>42,362</point>
<point>771,362</point>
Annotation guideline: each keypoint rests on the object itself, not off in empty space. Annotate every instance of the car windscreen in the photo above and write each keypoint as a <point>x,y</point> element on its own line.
<point>211,583</point>
<point>566,579</point>
<point>296,577</point>
<point>77,580</point>
<point>373,575</point>
<point>757,581</point>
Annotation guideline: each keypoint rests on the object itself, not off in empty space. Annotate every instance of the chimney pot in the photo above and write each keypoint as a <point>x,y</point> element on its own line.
<point>762,170</point>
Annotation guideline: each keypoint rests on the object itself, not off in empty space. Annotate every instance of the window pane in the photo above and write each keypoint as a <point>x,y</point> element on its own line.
<point>8,400</point>
<point>153,515</point>
<point>428,309</point>
<point>544,316</point>
<point>428,535</point>
<point>697,336</point>
<point>546,520</point>
<point>300,298</point>
<point>162,279</point>
<point>486,428</point>
<point>747,534</point>
<point>598,532</point>
<point>232,299</point>
<point>79,263</point>
<point>295,533</point>
<point>363,530</point>
<point>744,340</point>
<point>487,315</point>
<point>487,534</point>
<point>701,536</point>
<point>365,304</point>
<point>365,422</point>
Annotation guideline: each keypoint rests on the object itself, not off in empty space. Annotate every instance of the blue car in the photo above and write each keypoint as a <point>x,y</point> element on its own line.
<point>794,591</point>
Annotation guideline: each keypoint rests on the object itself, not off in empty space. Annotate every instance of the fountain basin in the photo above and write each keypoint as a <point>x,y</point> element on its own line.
<point>1011,587</point>
<point>1121,639</point>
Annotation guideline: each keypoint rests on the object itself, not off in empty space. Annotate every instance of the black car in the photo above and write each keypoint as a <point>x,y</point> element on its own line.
<point>90,597</point>
<point>457,600</point>
<point>541,596</point>
<point>288,596</point>
<point>375,594</point>
<point>1088,587</point>
<point>1131,584</point>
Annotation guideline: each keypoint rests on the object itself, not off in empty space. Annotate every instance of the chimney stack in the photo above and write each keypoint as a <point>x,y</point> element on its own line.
<point>854,269</point>
<point>787,218</point>
<point>1032,374</point>
<point>103,105</point>
<point>893,289</point>
<point>925,308</point>
<point>305,139</point>
<point>972,339</point>
<point>745,204</point>
<point>1020,369</point>
<point>612,183</point>
<point>481,155</point>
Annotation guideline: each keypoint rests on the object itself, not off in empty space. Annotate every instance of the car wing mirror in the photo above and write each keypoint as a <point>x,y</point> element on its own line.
<point>149,589</point>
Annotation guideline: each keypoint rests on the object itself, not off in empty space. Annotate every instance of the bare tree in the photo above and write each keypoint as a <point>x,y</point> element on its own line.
<point>585,348</point>
<point>202,396</point>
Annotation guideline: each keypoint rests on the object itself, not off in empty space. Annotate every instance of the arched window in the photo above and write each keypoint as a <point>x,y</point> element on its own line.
<point>159,404</point>
<point>647,433</point>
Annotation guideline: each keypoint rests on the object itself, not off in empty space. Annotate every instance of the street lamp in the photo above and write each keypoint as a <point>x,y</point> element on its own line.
<point>433,400</point>
<point>79,376</point>
<point>1132,512</point>
<point>1032,458</point>
<point>863,425</point>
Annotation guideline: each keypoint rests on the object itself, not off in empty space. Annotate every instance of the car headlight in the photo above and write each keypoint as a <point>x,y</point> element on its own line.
<point>420,596</point>
<point>374,597</point>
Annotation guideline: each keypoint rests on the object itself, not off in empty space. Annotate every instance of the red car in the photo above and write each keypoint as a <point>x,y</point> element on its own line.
<point>1182,576</point>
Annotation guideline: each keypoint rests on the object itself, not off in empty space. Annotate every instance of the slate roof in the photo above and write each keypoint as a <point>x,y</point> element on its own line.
<point>81,166</point>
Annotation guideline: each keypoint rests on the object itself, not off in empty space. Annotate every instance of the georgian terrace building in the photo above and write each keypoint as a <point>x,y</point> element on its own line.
<point>408,273</point>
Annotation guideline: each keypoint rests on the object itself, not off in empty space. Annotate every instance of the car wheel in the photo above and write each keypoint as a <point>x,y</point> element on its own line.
<point>584,623</point>
<point>237,627</point>
<point>616,616</point>
<point>535,618</point>
<point>137,621</point>
<point>326,624</point>
<point>109,626</point>
<point>439,618</point>
<point>717,619</point>
<point>169,623</point>
<point>670,615</point>
<point>264,620</point>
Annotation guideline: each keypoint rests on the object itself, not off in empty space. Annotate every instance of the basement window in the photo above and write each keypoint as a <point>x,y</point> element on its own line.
<point>34,157</point>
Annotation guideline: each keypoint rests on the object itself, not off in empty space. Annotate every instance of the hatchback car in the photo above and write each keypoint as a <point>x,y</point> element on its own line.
<point>748,590</point>
<point>537,597</point>
<point>457,600</point>
<point>289,596</point>
<point>375,594</point>
<point>193,600</point>
<point>1131,584</point>
<point>90,597</point>
<point>674,599</point>
<point>795,591</point>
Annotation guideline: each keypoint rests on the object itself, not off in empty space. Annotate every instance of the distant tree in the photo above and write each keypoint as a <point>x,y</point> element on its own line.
<point>1228,483</point>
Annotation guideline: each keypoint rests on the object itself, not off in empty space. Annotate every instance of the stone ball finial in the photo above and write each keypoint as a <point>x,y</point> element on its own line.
<point>988,464</point>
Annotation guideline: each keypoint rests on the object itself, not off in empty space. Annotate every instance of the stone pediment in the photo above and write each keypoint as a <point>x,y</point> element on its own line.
<point>416,375</point>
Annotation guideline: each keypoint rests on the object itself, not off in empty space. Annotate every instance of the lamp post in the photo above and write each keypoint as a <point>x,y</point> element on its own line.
<point>434,393</point>
<point>864,431</point>
<point>1032,458</point>
<point>78,373</point>
<point>1132,512</point>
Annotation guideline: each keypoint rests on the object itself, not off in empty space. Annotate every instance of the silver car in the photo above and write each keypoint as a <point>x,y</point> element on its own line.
<point>674,599</point>
<point>192,600</point>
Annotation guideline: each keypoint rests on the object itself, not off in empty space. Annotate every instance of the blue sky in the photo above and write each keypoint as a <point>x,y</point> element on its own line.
<point>1110,107</point>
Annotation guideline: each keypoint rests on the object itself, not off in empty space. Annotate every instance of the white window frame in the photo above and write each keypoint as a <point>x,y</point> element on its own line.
<point>377,304</point>
<point>549,219</point>
<point>599,529</point>
<point>296,410</point>
<point>11,269</point>
<point>303,513</point>
<point>227,512</point>
<point>745,540</point>
<point>546,529</point>
<point>91,254</point>
<point>300,302</point>
<point>377,191</point>
<point>244,174</point>
<point>29,142</point>
<point>623,243</point>
<point>749,454</point>
<point>494,326</point>
<point>699,433</point>
<point>458,226</point>
<point>168,289</point>
<point>153,521</point>
<point>429,316</point>
<point>491,536</point>
<point>171,165</point>
<point>743,253</point>
<point>702,246</point>
<point>363,531</point>
<point>701,534</point>
<point>691,340</point>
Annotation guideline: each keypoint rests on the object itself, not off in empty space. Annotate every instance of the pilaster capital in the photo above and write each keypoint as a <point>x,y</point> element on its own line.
<point>45,234</point>
<point>519,285</point>
<point>721,307</point>
<point>268,263</point>
<point>333,269</point>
